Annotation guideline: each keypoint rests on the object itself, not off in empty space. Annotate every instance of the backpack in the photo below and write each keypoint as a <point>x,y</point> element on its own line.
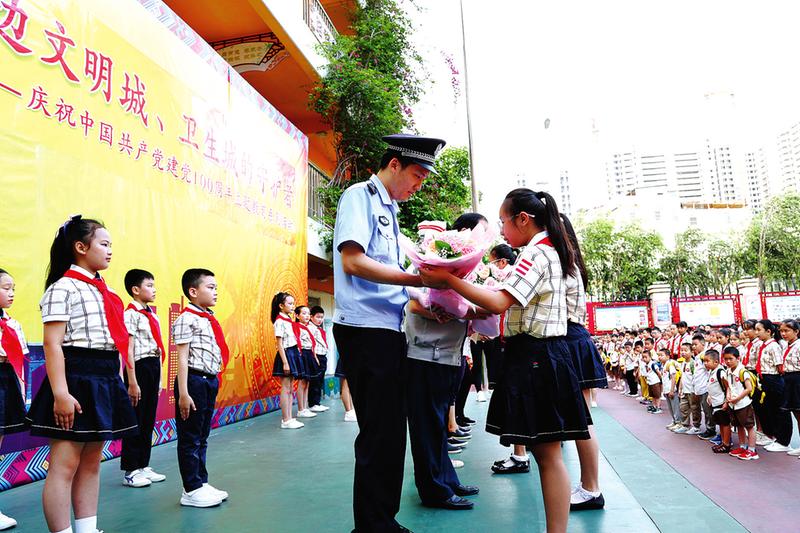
<point>677,367</point>
<point>755,393</point>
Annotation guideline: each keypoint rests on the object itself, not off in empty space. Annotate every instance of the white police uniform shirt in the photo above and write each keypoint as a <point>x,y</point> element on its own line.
<point>367,216</point>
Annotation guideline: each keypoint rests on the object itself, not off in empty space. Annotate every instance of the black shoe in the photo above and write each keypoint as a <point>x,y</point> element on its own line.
<point>453,503</point>
<point>708,435</point>
<point>464,421</point>
<point>466,490</point>
<point>519,467</point>
<point>459,434</point>
<point>453,449</point>
<point>466,429</point>
<point>457,443</point>
<point>588,505</point>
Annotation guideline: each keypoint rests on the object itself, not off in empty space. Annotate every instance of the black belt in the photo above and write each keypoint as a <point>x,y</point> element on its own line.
<point>200,373</point>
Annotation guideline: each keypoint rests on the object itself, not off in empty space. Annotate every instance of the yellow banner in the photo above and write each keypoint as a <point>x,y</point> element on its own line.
<point>118,111</point>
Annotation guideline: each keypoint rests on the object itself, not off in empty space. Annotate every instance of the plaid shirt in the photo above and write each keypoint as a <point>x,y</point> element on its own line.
<point>144,345</point>
<point>771,357</point>
<point>576,299</point>
<point>791,358</point>
<point>17,327</point>
<point>80,305</point>
<point>536,282</point>
<point>283,329</point>
<point>196,331</point>
<point>321,346</point>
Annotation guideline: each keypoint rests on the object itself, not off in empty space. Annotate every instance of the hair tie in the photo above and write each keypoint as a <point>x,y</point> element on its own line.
<point>65,225</point>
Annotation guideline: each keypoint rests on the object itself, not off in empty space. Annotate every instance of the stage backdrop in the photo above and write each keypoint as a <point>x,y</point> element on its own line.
<point>119,111</point>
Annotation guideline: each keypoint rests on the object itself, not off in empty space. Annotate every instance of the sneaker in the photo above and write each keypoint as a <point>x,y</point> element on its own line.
<point>777,447</point>
<point>6,522</point>
<point>672,426</point>
<point>694,431</point>
<point>594,403</point>
<point>716,441</point>
<point>152,475</point>
<point>736,452</point>
<point>749,455</point>
<point>319,409</point>
<point>456,443</point>
<point>763,440</point>
<point>202,497</point>
<point>481,396</point>
<point>707,435</point>
<point>350,416</point>
<point>681,430</point>
<point>136,479</point>
<point>650,408</point>
<point>721,448</point>
<point>221,493</point>
<point>452,450</point>
<point>306,413</point>
<point>457,463</point>
<point>583,500</point>
<point>291,424</point>
<point>656,411</point>
<point>795,452</point>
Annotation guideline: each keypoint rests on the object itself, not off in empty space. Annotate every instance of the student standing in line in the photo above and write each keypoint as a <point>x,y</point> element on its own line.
<point>769,368</point>
<point>790,330</point>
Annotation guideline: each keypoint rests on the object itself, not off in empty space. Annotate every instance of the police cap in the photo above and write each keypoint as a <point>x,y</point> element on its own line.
<point>420,150</point>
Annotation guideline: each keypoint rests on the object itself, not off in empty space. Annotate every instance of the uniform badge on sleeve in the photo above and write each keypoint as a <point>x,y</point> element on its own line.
<point>383,220</point>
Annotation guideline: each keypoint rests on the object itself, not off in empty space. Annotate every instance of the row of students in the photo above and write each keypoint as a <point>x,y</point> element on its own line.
<point>302,348</point>
<point>83,400</point>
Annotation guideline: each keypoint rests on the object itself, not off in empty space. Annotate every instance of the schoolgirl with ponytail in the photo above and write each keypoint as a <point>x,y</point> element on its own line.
<point>83,401</point>
<point>777,423</point>
<point>288,363</point>
<point>538,402</point>
<point>790,331</point>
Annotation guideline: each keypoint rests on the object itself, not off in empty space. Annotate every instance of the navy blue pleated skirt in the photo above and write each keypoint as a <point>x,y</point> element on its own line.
<point>586,358</point>
<point>537,398</point>
<point>93,380</point>
<point>310,364</point>
<point>297,368</point>
<point>12,404</point>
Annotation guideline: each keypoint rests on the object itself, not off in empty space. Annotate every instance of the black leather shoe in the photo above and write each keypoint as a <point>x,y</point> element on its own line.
<point>597,502</point>
<point>466,490</point>
<point>519,467</point>
<point>464,421</point>
<point>459,434</point>
<point>453,503</point>
<point>453,449</point>
<point>458,443</point>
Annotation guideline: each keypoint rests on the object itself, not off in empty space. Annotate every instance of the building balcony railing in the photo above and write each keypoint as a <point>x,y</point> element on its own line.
<point>318,21</point>
<point>316,181</point>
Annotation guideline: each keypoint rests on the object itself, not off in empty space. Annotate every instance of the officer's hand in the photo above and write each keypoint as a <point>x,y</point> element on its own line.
<point>434,277</point>
<point>442,316</point>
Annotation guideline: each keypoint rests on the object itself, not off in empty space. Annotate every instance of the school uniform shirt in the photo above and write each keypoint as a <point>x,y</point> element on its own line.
<point>791,357</point>
<point>687,379</point>
<point>283,329</point>
<point>652,374</point>
<point>771,357</point>
<point>80,305</point>
<point>661,343</point>
<point>196,331</point>
<point>715,391</point>
<point>538,286</point>
<point>306,342</point>
<point>576,299</point>
<point>613,358</point>
<point>631,361</point>
<point>734,378</point>
<point>670,370</point>
<point>17,327</point>
<point>643,369</point>
<point>144,345</point>
<point>700,377</point>
<point>752,353</point>
<point>742,352</point>
<point>321,346</point>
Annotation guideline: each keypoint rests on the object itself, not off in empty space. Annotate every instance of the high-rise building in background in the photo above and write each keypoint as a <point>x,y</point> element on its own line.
<point>565,199</point>
<point>788,147</point>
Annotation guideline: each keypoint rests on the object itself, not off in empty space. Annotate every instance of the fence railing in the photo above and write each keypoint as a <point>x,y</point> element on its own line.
<point>316,180</point>
<point>318,21</point>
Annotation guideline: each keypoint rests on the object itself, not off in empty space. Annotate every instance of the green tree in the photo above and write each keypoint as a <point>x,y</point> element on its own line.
<point>444,195</point>
<point>685,267</point>
<point>772,241</point>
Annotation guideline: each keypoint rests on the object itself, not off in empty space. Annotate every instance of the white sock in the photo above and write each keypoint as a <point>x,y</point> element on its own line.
<point>68,530</point>
<point>86,525</point>
<point>521,458</point>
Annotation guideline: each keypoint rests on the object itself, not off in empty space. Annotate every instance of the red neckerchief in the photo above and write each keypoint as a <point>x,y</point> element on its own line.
<point>322,334</point>
<point>155,328</point>
<point>788,349</point>
<point>761,351</point>
<point>295,329</point>
<point>303,327</point>
<point>747,354</point>
<point>218,335</point>
<point>11,345</point>
<point>114,311</point>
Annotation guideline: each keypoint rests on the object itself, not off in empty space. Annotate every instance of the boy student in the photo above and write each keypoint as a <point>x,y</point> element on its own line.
<point>717,389</point>
<point>653,380</point>
<point>202,355</point>
<point>631,359</point>
<point>740,385</point>
<point>143,377</point>
<point>317,384</point>
<point>671,376</point>
<point>701,386</point>
<point>689,406</point>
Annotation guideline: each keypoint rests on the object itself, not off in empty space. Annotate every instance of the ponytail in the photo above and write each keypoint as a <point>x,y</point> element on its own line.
<point>543,208</point>
<point>277,301</point>
<point>771,327</point>
<point>62,253</point>
<point>573,240</point>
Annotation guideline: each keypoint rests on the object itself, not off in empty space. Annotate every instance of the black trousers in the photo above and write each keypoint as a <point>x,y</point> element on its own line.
<point>374,361</point>
<point>463,390</point>
<point>317,384</point>
<point>775,421</point>
<point>429,389</point>
<point>193,432</point>
<point>489,352</point>
<point>633,383</point>
<point>136,450</point>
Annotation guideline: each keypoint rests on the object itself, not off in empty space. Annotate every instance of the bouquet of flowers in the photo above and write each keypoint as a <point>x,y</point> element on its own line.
<point>489,276</point>
<point>457,251</point>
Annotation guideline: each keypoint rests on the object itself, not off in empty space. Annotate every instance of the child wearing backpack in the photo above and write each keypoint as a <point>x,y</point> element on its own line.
<point>671,377</point>
<point>740,387</point>
<point>717,389</point>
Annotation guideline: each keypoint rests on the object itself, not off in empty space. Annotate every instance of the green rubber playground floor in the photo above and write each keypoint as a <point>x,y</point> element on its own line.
<point>286,481</point>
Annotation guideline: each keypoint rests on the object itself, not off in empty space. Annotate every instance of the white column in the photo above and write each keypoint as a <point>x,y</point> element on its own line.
<point>749,298</point>
<point>660,303</point>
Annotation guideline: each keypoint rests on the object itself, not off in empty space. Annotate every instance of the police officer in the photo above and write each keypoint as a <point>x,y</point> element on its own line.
<point>370,297</point>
